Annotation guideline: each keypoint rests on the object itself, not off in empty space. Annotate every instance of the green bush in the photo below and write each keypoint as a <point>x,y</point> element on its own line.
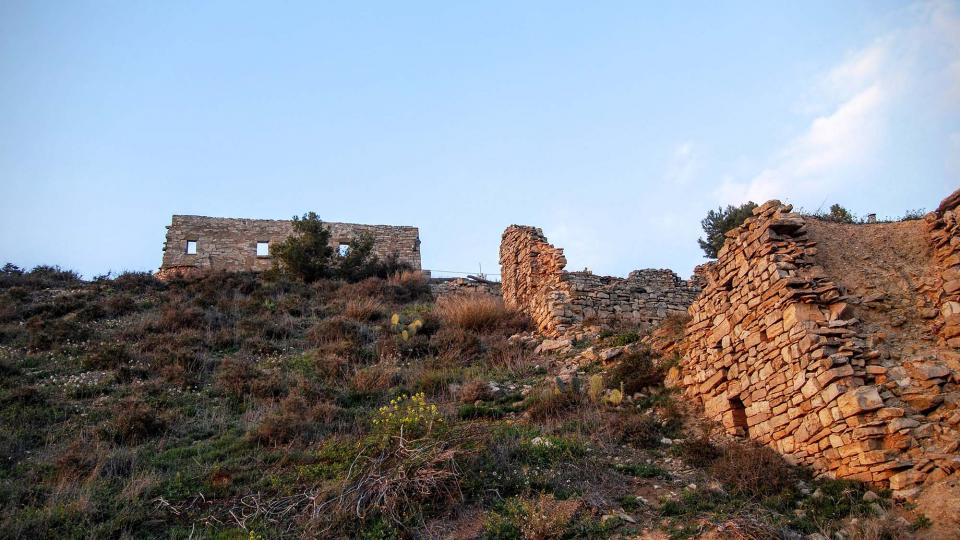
<point>718,222</point>
<point>306,253</point>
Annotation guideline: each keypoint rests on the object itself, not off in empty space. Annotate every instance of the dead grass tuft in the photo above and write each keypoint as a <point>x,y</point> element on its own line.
<point>363,309</point>
<point>475,390</point>
<point>478,312</point>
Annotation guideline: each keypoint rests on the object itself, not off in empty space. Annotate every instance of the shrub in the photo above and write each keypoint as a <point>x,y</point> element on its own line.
<point>408,285</point>
<point>753,471</point>
<point>839,214</point>
<point>133,421</point>
<point>475,390</point>
<point>552,402</point>
<point>44,335</point>
<point>698,451</point>
<point>641,430</point>
<point>408,417</point>
<point>363,309</point>
<point>635,372</point>
<point>477,312</point>
<point>108,356</point>
<point>306,254</point>
<point>718,222</point>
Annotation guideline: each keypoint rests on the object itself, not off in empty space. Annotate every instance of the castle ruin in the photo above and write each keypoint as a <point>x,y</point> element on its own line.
<point>534,281</point>
<point>199,244</point>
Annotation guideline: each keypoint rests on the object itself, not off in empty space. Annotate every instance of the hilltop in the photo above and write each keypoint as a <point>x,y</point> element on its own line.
<point>254,406</point>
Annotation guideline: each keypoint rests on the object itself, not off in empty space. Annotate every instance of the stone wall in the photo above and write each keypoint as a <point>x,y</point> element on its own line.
<point>441,287</point>
<point>534,280</point>
<point>776,350</point>
<point>231,244</point>
<point>943,226</point>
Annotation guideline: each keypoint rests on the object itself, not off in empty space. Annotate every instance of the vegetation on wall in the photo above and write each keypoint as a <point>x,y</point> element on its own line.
<point>718,222</point>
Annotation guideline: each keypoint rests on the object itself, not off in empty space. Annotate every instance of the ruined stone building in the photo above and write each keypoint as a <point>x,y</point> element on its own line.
<point>838,345</point>
<point>197,244</point>
<point>835,344</point>
<point>534,281</point>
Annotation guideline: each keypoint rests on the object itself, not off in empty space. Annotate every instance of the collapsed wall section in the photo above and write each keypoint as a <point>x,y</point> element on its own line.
<point>778,351</point>
<point>196,244</point>
<point>534,280</point>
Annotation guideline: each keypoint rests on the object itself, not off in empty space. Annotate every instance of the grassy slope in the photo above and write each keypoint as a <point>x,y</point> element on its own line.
<point>241,407</point>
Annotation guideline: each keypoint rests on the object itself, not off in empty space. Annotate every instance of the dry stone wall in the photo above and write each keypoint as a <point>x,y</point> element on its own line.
<point>534,280</point>
<point>943,226</point>
<point>441,287</point>
<point>231,244</point>
<point>775,351</point>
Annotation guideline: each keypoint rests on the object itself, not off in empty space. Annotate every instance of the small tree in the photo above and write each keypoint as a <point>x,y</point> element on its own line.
<point>306,253</point>
<point>718,222</point>
<point>839,214</point>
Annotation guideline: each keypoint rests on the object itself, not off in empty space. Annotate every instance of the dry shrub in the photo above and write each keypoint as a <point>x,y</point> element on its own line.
<point>369,288</point>
<point>401,480</point>
<point>334,329</point>
<point>177,317</point>
<point>636,372</point>
<point>79,458</point>
<point>456,343</point>
<point>478,312</point>
<point>475,390</point>
<point>547,518</point>
<point>642,430</point>
<point>238,378</point>
<point>698,451</point>
<point>515,360</point>
<point>753,471</point>
<point>296,418</point>
<point>551,402</point>
<point>363,309</point>
<point>375,378</point>
<point>409,285</point>
<point>409,279</point>
<point>134,421</point>
<point>885,527</point>
<point>108,356</point>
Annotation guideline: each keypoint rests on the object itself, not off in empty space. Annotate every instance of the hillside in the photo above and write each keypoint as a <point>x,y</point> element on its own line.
<point>249,406</point>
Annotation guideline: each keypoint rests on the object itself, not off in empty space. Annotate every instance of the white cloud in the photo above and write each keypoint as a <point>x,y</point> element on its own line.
<point>919,62</point>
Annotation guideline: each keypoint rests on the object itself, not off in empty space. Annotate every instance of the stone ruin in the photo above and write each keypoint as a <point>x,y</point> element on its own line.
<point>198,244</point>
<point>534,281</point>
<point>835,344</point>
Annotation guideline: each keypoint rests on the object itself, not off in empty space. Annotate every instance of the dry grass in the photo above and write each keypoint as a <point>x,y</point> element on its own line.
<point>409,279</point>
<point>547,518</point>
<point>363,309</point>
<point>476,312</point>
<point>475,390</point>
<point>551,403</point>
<point>753,471</point>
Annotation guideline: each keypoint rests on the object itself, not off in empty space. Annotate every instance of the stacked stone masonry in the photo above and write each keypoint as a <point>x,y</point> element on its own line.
<point>463,286</point>
<point>534,281</point>
<point>231,244</point>
<point>776,350</point>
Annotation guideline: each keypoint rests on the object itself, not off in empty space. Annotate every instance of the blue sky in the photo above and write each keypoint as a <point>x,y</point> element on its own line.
<point>613,126</point>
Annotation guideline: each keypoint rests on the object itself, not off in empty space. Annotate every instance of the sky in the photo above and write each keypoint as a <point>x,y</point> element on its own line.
<point>613,126</point>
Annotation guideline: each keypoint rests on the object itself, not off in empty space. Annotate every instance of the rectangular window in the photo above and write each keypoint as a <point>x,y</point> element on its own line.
<point>191,247</point>
<point>263,249</point>
<point>343,249</point>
